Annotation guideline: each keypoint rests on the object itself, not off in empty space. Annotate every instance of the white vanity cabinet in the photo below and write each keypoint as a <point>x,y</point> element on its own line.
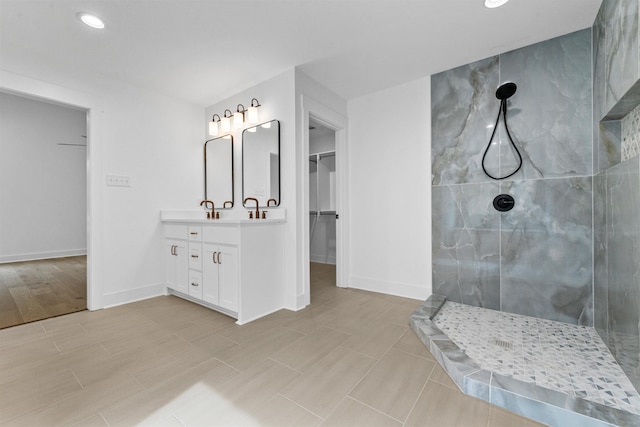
<point>235,267</point>
<point>175,259</point>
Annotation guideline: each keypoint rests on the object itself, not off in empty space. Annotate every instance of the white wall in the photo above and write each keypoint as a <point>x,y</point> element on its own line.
<point>276,97</point>
<point>390,190</point>
<point>43,184</point>
<point>154,139</point>
<point>157,141</point>
<point>280,98</point>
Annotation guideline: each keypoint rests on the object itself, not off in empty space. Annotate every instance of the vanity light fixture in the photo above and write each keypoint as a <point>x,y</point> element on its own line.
<point>213,125</point>
<point>238,116</point>
<point>252,112</point>
<point>221,125</point>
<point>91,20</point>
<point>225,123</point>
<point>266,125</point>
<point>492,4</point>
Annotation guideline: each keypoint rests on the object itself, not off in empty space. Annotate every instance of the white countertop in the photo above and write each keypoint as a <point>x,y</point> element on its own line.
<point>197,216</point>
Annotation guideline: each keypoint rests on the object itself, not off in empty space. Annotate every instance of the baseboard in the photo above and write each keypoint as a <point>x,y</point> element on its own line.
<point>42,255</point>
<point>405,290</point>
<point>133,295</point>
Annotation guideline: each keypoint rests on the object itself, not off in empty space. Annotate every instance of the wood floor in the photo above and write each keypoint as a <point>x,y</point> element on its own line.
<point>349,359</point>
<point>36,290</point>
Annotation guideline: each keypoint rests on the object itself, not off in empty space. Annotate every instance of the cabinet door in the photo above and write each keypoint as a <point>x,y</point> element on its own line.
<point>228,277</point>
<point>176,267</point>
<point>210,281</point>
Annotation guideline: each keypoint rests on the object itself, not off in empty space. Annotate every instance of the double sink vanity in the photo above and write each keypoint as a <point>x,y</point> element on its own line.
<point>232,260</point>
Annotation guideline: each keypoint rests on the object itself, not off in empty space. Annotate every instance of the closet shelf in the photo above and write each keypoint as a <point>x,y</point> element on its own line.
<point>322,213</point>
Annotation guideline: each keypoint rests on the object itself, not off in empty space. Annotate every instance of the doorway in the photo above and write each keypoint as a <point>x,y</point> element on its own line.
<point>322,208</point>
<point>315,112</point>
<point>43,215</point>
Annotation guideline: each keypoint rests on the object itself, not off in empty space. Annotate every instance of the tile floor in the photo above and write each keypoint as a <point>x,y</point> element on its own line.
<point>349,359</point>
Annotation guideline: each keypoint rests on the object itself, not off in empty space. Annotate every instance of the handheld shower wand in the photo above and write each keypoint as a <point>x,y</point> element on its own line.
<point>504,92</point>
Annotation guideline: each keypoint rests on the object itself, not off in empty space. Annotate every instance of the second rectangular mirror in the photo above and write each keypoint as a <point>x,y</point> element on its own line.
<point>261,164</point>
<point>218,171</point>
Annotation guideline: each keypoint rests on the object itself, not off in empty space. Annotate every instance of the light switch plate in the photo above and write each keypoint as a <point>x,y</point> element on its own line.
<point>118,181</point>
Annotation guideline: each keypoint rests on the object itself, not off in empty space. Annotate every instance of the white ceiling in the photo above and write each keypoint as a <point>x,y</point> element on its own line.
<point>204,51</point>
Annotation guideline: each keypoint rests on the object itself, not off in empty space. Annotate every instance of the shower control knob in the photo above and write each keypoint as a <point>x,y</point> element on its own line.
<point>503,202</point>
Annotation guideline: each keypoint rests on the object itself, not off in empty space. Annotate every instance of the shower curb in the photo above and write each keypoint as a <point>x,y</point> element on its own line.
<point>530,400</point>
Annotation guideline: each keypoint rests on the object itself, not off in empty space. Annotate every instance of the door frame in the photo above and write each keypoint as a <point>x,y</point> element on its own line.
<point>338,123</point>
<point>93,106</point>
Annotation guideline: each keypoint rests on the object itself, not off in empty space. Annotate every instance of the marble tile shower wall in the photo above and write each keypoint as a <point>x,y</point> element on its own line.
<point>617,263</point>
<point>616,182</point>
<point>616,77</point>
<point>537,259</point>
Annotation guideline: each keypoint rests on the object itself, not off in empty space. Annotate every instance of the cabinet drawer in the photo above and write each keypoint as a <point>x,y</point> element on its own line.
<point>195,284</point>
<point>175,231</point>
<point>195,256</point>
<point>221,234</point>
<point>195,233</point>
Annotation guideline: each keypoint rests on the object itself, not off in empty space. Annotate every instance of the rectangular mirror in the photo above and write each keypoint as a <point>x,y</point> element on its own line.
<point>261,164</point>
<point>218,171</point>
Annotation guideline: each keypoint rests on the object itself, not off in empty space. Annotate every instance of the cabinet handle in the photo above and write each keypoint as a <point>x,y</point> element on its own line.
<point>194,284</point>
<point>173,250</point>
<point>194,256</point>
<point>194,233</point>
<point>219,262</point>
<point>214,257</point>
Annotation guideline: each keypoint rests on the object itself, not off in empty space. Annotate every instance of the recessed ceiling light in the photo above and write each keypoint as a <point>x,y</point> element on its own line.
<point>90,20</point>
<point>494,3</point>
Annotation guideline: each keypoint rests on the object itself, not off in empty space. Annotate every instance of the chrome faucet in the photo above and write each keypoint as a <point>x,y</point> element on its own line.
<point>210,215</point>
<point>257,208</point>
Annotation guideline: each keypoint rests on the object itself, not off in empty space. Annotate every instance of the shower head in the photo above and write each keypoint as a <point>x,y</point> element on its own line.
<point>506,90</point>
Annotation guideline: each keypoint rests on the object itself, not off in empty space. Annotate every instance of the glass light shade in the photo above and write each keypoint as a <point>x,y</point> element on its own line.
<point>253,129</point>
<point>238,119</point>
<point>213,128</point>
<point>494,3</point>
<point>266,125</point>
<point>225,124</point>
<point>91,20</point>
<point>252,113</point>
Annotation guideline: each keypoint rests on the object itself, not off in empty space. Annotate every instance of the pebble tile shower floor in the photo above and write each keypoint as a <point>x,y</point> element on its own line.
<point>567,358</point>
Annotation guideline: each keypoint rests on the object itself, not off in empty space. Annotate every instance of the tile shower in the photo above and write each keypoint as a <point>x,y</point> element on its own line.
<point>569,251</point>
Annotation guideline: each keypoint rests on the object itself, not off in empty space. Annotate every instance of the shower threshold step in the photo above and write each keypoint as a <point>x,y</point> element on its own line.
<point>555,373</point>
